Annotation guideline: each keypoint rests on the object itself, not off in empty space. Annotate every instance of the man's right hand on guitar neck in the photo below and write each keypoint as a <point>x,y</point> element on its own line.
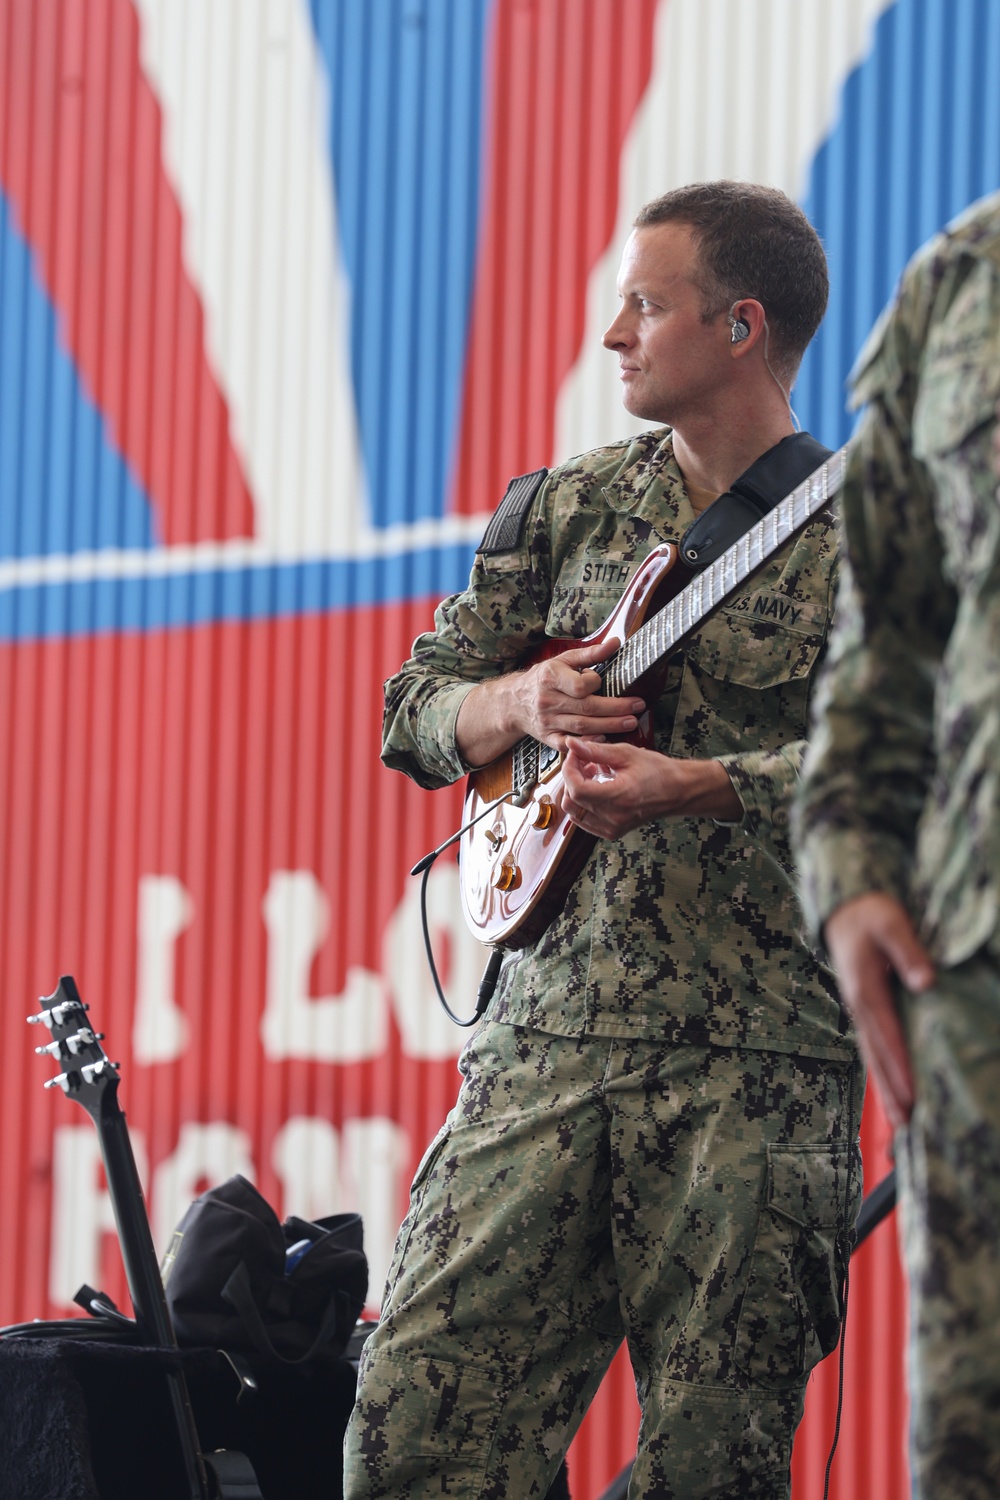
<point>549,701</point>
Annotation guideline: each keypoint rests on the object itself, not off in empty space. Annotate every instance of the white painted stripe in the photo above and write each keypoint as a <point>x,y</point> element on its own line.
<point>204,557</point>
<point>246,110</point>
<point>740,88</point>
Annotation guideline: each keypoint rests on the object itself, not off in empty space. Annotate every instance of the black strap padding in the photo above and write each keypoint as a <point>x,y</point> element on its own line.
<point>503,534</point>
<point>767,481</point>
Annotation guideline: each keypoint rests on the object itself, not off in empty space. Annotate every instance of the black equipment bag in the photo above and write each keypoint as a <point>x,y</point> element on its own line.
<point>231,1283</point>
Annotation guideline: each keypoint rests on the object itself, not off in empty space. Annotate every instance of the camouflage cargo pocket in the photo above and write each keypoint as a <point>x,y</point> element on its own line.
<point>427,1423</point>
<point>790,1316</point>
<point>418,1188</point>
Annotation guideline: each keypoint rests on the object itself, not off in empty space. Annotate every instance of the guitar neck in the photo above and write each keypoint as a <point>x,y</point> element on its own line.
<point>679,618</point>
<point>138,1252</point>
<point>684,613</point>
<point>145,1285</point>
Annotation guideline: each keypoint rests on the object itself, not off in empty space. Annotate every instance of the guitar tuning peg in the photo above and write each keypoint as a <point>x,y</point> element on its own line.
<point>43,1018</point>
<point>92,1071</point>
<point>61,1081</point>
<point>73,1044</point>
<point>80,1039</point>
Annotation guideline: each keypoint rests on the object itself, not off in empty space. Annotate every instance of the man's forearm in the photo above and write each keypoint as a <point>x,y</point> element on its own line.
<point>611,789</point>
<point>682,788</point>
<point>487,722</point>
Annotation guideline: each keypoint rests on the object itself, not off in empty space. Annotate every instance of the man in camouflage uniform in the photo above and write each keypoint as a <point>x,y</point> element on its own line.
<point>900,818</point>
<point>654,1136</point>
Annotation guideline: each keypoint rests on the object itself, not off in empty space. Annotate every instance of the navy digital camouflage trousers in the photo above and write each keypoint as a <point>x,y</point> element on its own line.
<point>949,1163</point>
<point>691,1200</point>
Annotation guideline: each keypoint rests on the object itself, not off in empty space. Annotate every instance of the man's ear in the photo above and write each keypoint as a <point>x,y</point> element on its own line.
<point>747,322</point>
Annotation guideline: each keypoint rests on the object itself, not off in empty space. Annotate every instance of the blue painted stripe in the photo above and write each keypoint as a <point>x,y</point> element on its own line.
<point>64,487</point>
<point>405,143</point>
<point>54,610</point>
<point>917,140</point>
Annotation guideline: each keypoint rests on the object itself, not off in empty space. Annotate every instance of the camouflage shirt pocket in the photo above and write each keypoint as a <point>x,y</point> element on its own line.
<point>765,640</point>
<point>953,421</point>
<point>579,611</point>
<point>747,676</point>
<point>790,1315</point>
<point>960,369</point>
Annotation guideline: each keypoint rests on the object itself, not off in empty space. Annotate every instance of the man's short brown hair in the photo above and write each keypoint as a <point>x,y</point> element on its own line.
<point>753,242</point>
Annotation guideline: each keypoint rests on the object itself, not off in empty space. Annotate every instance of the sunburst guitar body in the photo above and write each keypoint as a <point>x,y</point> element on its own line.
<point>519,861</point>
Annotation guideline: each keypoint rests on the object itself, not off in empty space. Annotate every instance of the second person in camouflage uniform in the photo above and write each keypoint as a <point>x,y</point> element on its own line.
<point>900,818</point>
<point>655,1133</point>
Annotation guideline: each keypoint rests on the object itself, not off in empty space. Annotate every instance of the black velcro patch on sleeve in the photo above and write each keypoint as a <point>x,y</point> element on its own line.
<point>503,533</point>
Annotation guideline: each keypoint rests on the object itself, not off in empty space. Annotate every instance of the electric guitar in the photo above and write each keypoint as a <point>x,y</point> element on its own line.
<point>89,1077</point>
<point>519,854</point>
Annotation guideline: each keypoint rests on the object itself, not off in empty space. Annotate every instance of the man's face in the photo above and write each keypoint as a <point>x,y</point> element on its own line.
<point>672,362</point>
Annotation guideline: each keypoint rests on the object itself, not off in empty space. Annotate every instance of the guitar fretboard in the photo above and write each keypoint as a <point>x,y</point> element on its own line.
<point>685,612</point>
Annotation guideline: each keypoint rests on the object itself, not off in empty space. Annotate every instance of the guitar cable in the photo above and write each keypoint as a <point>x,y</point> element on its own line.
<point>846,1238</point>
<point>488,983</point>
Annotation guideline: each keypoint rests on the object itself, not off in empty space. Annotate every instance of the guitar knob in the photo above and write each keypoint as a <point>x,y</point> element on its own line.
<point>542,816</point>
<point>505,876</point>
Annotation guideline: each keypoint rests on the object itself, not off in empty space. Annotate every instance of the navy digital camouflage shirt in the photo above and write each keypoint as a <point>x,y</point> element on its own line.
<point>686,929</point>
<point>902,789</point>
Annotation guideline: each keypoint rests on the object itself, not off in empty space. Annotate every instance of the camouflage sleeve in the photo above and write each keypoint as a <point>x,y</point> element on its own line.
<point>765,781</point>
<point>865,774</point>
<point>479,634</point>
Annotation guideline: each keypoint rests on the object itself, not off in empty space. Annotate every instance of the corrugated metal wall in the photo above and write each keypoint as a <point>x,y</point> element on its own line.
<point>288,289</point>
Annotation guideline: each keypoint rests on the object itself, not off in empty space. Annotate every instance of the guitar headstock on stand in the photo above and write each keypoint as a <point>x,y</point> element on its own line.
<point>88,1074</point>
